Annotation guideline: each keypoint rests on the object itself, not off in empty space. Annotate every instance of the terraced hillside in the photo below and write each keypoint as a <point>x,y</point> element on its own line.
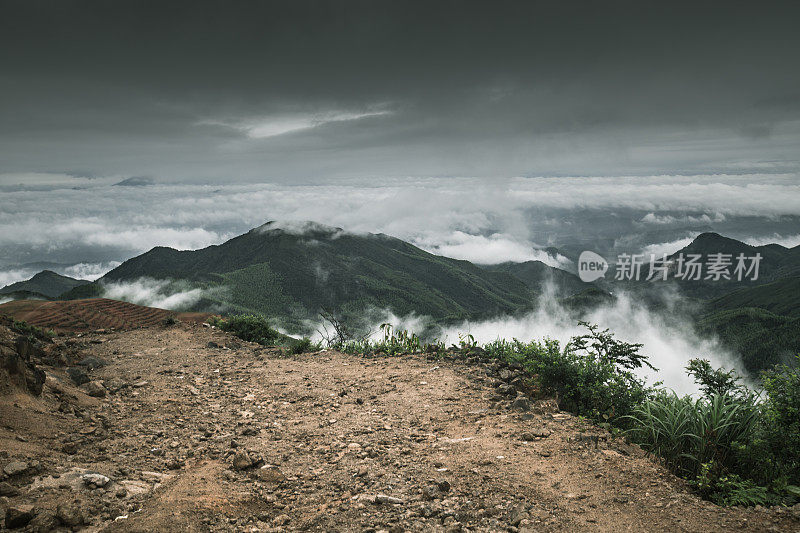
<point>91,314</point>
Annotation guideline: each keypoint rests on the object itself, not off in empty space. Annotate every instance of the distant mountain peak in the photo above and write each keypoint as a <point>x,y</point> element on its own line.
<point>135,181</point>
<point>711,242</point>
<point>299,228</point>
<point>47,274</point>
<point>46,283</point>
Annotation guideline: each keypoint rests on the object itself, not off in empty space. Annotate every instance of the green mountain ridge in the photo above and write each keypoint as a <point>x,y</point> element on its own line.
<point>291,273</point>
<point>776,262</point>
<point>296,272</point>
<point>46,283</point>
<point>536,275</point>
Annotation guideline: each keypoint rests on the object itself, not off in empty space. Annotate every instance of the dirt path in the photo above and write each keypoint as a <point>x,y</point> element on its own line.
<point>198,437</point>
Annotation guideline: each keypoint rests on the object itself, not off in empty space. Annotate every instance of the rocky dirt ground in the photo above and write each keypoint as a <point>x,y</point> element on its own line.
<point>184,428</point>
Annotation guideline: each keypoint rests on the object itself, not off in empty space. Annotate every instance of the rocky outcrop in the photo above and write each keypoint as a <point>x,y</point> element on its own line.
<point>17,368</point>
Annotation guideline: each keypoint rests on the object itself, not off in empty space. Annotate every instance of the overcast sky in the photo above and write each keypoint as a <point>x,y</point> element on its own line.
<point>483,131</point>
<point>319,92</point>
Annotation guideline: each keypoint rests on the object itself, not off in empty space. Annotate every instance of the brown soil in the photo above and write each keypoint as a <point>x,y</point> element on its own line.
<point>91,314</point>
<point>203,432</point>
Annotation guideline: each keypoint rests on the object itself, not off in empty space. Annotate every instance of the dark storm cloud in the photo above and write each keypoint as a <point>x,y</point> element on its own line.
<point>299,90</point>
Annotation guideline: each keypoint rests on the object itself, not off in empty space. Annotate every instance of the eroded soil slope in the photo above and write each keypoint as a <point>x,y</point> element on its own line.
<point>192,430</point>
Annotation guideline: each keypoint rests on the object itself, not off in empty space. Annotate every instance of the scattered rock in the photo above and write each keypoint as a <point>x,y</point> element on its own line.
<point>70,448</point>
<point>95,480</point>
<point>270,474</point>
<point>94,389</point>
<point>531,435</point>
<point>506,390</point>
<point>7,489</point>
<point>16,468</point>
<point>517,515</point>
<point>70,514</point>
<point>505,374</point>
<point>43,522</point>
<point>521,403</point>
<point>383,498</point>
<point>92,363</point>
<point>242,460</point>
<point>175,464</point>
<point>17,366</point>
<point>282,520</point>
<point>437,489</point>
<point>78,375</point>
<point>19,515</point>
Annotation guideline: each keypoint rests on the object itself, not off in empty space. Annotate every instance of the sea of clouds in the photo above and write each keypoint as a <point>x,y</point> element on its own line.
<point>71,220</point>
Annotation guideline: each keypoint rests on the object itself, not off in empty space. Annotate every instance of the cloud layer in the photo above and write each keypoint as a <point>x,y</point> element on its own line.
<point>163,294</point>
<point>481,220</point>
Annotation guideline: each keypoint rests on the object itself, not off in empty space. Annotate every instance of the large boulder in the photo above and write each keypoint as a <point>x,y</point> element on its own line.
<point>19,515</point>
<point>17,370</point>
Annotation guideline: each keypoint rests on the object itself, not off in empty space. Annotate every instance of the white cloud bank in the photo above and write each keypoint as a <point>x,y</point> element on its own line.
<point>789,241</point>
<point>163,294</point>
<point>481,220</point>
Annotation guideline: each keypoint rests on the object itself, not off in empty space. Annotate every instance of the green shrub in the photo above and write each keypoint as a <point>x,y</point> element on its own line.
<point>251,328</point>
<point>591,376</point>
<point>730,489</point>
<point>732,447</point>
<point>304,345</point>
<point>778,440</point>
<point>31,332</point>
<point>715,381</point>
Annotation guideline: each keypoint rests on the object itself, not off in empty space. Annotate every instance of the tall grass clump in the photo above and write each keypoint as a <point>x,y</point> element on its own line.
<point>734,446</point>
<point>394,342</point>
<point>688,433</point>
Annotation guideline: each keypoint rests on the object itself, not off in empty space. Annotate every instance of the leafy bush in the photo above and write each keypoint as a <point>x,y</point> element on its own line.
<point>715,381</point>
<point>31,332</point>
<point>304,345</point>
<point>730,489</point>
<point>251,328</point>
<point>773,456</point>
<point>732,447</point>
<point>782,416</point>
<point>592,376</point>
